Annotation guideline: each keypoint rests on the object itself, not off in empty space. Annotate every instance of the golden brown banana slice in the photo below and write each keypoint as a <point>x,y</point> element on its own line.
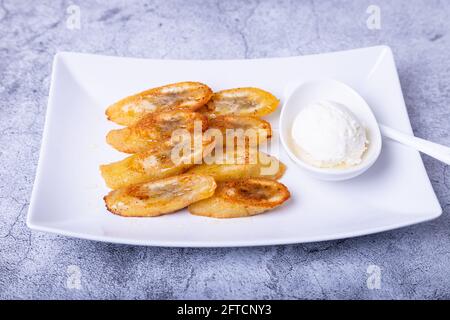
<point>153,164</point>
<point>155,129</point>
<point>161,196</point>
<point>238,131</point>
<point>241,102</point>
<point>242,123</point>
<point>181,95</point>
<point>260,165</point>
<point>242,198</point>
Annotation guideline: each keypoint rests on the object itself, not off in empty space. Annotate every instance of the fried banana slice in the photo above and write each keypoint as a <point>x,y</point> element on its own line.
<point>243,132</point>
<point>242,123</point>
<point>153,164</point>
<point>241,102</point>
<point>155,129</point>
<point>242,198</point>
<point>259,166</point>
<point>181,95</point>
<point>159,197</point>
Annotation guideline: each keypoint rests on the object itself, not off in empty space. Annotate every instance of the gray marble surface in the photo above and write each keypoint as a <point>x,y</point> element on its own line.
<point>414,261</point>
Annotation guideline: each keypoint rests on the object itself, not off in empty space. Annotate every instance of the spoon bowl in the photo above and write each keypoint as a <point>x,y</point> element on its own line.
<point>332,90</point>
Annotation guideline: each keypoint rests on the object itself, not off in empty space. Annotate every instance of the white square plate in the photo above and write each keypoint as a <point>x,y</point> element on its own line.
<point>68,191</point>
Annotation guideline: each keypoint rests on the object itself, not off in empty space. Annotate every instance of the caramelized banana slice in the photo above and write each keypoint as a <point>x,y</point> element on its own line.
<point>241,102</point>
<point>155,129</point>
<point>153,164</point>
<point>260,165</point>
<point>159,197</point>
<point>239,131</point>
<point>181,95</point>
<point>241,123</point>
<point>242,198</point>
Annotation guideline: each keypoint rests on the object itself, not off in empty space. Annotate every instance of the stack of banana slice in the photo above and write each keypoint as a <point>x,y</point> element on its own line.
<point>185,150</point>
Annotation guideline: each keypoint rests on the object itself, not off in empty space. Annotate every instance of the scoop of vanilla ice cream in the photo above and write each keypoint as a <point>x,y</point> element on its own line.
<point>327,134</point>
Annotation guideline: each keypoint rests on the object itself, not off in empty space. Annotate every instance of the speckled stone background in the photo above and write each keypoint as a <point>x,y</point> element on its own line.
<point>414,261</point>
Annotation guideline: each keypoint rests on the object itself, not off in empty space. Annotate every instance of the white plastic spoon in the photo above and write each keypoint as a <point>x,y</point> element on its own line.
<point>432,149</point>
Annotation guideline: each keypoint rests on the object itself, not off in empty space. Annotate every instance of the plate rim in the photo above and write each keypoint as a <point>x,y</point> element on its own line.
<point>229,244</point>
<point>63,53</point>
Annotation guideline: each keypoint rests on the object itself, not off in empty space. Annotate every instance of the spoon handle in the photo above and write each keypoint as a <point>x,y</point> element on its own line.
<point>432,149</point>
